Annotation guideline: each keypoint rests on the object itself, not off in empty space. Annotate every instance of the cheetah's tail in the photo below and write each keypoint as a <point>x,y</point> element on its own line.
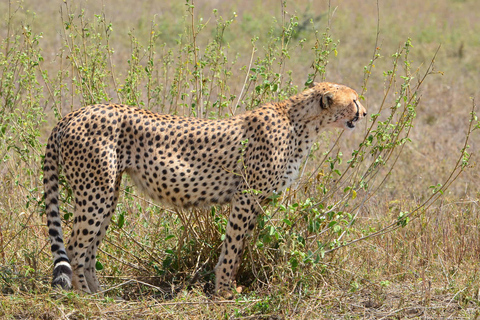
<point>62,270</point>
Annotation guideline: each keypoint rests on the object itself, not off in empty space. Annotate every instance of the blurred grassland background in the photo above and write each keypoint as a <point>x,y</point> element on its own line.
<point>56,56</point>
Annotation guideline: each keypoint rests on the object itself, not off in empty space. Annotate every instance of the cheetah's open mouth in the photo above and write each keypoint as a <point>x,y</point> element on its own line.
<point>351,123</point>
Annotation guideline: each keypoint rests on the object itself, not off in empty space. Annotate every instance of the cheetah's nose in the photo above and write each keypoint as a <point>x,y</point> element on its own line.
<point>364,113</point>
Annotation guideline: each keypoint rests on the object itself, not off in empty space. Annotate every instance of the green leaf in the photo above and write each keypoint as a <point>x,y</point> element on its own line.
<point>272,231</point>
<point>354,194</point>
<point>98,266</point>
<point>294,263</point>
<point>121,220</point>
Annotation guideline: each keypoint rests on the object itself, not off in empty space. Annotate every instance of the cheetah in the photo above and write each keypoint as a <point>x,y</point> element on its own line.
<point>182,162</point>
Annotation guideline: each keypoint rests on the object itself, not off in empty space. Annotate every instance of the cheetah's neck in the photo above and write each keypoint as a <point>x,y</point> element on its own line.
<point>304,114</point>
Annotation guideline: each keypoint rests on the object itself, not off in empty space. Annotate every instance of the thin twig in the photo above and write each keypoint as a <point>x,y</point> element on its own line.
<point>245,82</point>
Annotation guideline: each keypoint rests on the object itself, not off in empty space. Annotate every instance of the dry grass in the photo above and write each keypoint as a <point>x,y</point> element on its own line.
<point>427,269</point>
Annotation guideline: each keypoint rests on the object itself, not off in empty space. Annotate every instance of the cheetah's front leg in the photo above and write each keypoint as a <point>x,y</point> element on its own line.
<point>241,222</point>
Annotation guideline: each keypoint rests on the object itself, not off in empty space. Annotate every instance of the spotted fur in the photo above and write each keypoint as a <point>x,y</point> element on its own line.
<point>183,162</point>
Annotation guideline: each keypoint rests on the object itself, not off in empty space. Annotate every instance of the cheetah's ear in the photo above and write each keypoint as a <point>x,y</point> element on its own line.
<point>313,84</point>
<point>327,100</point>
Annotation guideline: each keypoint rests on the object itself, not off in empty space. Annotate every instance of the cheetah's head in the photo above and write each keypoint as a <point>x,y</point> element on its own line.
<point>340,106</point>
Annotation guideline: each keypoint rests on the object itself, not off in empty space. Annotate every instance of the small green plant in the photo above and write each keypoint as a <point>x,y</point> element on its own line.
<point>385,283</point>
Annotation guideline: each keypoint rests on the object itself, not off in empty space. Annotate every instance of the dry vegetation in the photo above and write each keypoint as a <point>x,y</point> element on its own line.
<point>391,231</point>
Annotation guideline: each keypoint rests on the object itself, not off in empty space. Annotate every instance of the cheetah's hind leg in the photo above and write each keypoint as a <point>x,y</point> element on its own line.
<point>92,216</point>
<point>91,258</point>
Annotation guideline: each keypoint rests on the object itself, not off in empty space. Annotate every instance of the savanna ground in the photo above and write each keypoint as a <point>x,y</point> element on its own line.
<point>383,222</point>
